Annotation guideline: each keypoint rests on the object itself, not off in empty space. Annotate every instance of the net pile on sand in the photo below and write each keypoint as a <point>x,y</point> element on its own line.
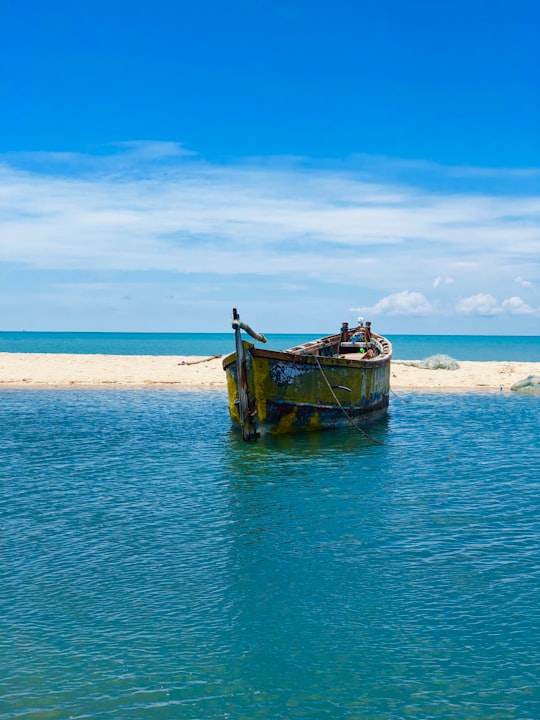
<point>434,362</point>
<point>529,385</point>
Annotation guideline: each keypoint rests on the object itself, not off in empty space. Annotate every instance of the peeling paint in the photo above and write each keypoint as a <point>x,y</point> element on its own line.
<point>285,373</point>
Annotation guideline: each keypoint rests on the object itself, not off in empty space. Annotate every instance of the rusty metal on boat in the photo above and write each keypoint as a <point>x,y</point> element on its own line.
<point>325,383</point>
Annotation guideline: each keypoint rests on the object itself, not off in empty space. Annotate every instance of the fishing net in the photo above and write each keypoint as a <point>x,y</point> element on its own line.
<point>434,362</point>
<point>529,385</point>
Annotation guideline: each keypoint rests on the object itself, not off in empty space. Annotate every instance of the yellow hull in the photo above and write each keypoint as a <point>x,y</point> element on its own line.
<point>289,393</point>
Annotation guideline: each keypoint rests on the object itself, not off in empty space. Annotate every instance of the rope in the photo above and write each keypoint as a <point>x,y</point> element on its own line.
<point>351,421</point>
<point>196,362</point>
<point>397,396</point>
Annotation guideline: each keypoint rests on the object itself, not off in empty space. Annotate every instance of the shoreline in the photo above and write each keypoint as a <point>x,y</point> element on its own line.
<point>47,370</point>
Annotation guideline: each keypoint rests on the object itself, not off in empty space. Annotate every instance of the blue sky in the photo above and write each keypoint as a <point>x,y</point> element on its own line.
<point>306,162</point>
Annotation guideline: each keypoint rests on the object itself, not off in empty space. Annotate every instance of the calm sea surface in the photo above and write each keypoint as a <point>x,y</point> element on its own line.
<point>406,347</point>
<point>154,566</point>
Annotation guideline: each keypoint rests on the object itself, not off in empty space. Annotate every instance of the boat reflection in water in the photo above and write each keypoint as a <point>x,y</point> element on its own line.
<point>330,382</point>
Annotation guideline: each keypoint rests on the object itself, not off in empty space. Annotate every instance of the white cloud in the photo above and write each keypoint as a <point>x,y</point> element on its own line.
<point>125,219</point>
<point>516,306</point>
<point>153,207</point>
<point>152,150</point>
<point>442,280</point>
<point>402,303</point>
<point>480,304</point>
<point>485,304</point>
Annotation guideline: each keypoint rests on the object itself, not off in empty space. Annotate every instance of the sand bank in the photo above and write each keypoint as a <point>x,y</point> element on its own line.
<point>47,370</point>
<point>469,376</point>
<point>28,369</point>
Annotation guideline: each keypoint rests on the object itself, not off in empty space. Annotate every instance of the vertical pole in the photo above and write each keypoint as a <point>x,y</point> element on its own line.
<point>344,335</point>
<point>368,332</point>
<point>246,424</point>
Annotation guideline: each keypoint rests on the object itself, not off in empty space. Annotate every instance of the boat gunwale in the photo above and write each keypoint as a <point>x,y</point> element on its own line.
<point>325,361</point>
<point>302,356</point>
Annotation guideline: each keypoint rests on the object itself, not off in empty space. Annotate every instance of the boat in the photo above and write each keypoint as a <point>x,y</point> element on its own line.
<point>329,382</point>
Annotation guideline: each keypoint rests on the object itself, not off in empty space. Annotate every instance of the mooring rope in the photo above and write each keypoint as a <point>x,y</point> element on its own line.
<point>397,396</point>
<point>351,421</point>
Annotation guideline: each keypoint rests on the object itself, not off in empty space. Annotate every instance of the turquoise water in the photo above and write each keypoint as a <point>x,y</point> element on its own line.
<point>154,566</point>
<point>406,347</point>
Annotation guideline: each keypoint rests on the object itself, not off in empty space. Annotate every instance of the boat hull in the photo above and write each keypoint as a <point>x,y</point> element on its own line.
<point>300,393</point>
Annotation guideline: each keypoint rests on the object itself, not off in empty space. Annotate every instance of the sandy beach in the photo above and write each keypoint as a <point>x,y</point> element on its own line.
<point>48,370</point>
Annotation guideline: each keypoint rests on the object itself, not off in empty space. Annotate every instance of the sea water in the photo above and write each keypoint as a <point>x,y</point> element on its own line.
<point>154,566</point>
<point>406,347</point>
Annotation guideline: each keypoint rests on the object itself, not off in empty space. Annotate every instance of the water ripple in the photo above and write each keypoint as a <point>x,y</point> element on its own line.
<point>152,565</point>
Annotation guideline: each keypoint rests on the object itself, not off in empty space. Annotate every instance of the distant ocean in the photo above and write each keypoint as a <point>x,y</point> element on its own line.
<point>406,347</point>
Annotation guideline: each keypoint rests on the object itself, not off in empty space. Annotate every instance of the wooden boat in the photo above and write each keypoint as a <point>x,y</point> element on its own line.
<point>328,382</point>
